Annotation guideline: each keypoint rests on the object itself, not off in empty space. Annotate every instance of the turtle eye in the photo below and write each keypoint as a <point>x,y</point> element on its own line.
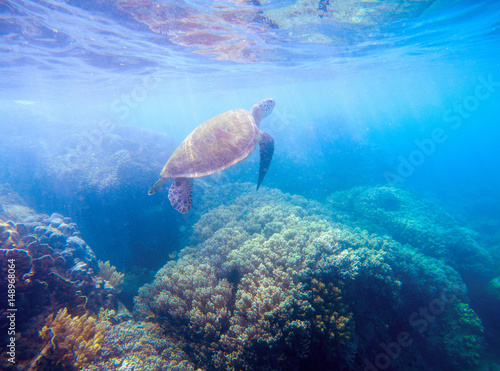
<point>268,105</point>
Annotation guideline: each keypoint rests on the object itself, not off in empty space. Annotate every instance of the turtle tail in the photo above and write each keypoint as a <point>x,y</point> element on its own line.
<point>266,145</point>
<point>157,186</point>
<point>180,194</point>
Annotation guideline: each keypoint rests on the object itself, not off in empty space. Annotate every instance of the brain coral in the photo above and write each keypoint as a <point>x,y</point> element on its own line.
<point>54,269</point>
<point>270,281</point>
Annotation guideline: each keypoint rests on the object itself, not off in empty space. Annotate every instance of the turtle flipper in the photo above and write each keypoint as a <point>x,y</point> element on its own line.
<point>266,144</point>
<point>180,194</point>
<point>157,186</point>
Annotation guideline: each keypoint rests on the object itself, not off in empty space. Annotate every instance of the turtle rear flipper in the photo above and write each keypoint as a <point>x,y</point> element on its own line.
<point>180,194</point>
<point>266,145</point>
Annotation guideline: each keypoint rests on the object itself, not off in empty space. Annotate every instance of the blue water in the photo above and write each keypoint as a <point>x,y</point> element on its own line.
<point>371,94</point>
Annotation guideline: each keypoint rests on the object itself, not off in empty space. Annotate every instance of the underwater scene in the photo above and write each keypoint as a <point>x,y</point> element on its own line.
<point>286,185</point>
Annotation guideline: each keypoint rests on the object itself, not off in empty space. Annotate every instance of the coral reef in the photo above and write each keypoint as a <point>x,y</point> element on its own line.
<point>70,342</point>
<point>80,160</point>
<point>54,266</point>
<point>54,269</point>
<point>388,210</point>
<point>12,206</point>
<point>107,158</point>
<point>88,343</point>
<point>494,288</point>
<point>139,346</point>
<point>334,321</point>
<point>94,173</point>
<point>271,280</point>
<point>109,274</point>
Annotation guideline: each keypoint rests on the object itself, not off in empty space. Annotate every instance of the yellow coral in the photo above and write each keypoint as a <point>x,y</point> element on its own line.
<point>72,340</point>
<point>106,316</point>
<point>9,238</point>
<point>109,273</point>
<point>333,317</point>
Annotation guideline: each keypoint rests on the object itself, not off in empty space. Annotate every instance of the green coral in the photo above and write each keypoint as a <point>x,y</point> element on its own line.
<point>194,299</point>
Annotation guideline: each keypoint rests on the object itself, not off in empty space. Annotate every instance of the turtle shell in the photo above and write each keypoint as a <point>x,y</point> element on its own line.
<point>215,145</point>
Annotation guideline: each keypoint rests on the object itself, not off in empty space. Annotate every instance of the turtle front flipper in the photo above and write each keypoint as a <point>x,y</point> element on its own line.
<point>266,145</point>
<point>157,186</point>
<point>180,194</point>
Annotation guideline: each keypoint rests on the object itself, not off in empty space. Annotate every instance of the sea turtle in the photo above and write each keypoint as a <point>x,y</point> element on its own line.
<point>215,145</point>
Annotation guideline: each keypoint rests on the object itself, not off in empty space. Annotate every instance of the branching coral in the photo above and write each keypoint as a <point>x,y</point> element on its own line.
<point>267,254</point>
<point>109,273</point>
<point>193,298</point>
<point>295,289</point>
<point>332,317</point>
<point>132,346</point>
<point>389,210</point>
<point>264,309</point>
<point>267,268</point>
<point>71,340</point>
<point>333,322</point>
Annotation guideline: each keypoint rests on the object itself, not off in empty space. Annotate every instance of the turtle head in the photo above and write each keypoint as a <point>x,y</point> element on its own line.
<point>262,109</point>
